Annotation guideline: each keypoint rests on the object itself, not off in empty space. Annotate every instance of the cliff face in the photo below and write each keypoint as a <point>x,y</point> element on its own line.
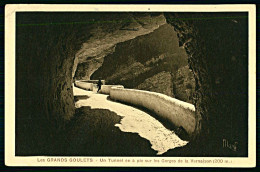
<point>160,83</point>
<point>148,62</point>
<point>184,84</point>
<point>119,27</point>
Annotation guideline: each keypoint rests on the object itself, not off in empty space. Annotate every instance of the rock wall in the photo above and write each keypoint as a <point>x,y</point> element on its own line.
<point>184,84</point>
<point>160,83</point>
<point>120,27</point>
<point>85,69</point>
<point>48,48</point>
<point>44,58</point>
<point>217,46</point>
<point>147,62</point>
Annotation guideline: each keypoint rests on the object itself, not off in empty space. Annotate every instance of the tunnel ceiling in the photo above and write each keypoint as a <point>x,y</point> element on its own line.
<point>105,34</point>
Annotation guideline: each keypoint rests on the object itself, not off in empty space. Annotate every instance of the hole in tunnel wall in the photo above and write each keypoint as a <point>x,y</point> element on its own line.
<point>152,62</point>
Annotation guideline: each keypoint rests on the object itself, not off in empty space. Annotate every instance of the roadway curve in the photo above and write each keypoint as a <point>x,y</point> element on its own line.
<point>133,121</point>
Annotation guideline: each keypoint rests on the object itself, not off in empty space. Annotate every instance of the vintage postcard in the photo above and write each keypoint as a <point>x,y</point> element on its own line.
<point>130,85</point>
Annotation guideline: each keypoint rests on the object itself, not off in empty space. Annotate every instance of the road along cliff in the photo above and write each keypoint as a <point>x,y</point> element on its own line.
<point>133,121</point>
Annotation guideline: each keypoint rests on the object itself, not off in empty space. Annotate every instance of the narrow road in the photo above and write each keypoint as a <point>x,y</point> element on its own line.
<point>133,120</point>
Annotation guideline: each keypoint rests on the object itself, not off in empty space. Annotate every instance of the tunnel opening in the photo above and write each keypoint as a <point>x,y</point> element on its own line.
<point>146,60</point>
<point>50,57</point>
<point>152,62</point>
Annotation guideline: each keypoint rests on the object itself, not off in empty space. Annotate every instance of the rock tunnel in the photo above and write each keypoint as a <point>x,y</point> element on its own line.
<point>53,49</point>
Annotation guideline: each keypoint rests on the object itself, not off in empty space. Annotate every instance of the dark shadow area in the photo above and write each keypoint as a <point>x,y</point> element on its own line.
<point>185,151</point>
<point>92,132</point>
<point>178,130</point>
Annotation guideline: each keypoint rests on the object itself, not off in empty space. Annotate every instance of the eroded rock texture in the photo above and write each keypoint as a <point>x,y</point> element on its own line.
<point>217,46</point>
<point>148,62</point>
<point>118,27</point>
<point>160,83</point>
<point>45,52</point>
<point>184,84</point>
<point>48,48</point>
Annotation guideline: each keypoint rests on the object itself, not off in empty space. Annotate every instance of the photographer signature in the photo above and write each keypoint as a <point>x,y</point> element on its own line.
<point>232,146</point>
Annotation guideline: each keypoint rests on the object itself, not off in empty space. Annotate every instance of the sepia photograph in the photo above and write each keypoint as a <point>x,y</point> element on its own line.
<point>125,86</point>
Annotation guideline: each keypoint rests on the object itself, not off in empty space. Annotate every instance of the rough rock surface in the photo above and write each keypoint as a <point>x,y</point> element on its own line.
<point>184,84</point>
<point>48,48</point>
<point>122,27</point>
<point>160,83</point>
<point>147,62</point>
<point>44,58</point>
<point>217,47</point>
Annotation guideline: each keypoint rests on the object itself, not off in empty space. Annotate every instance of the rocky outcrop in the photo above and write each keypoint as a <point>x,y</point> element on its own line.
<point>126,27</point>
<point>147,62</point>
<point>184,84</point>
<point>160,83</point>
<point>84,70</point>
